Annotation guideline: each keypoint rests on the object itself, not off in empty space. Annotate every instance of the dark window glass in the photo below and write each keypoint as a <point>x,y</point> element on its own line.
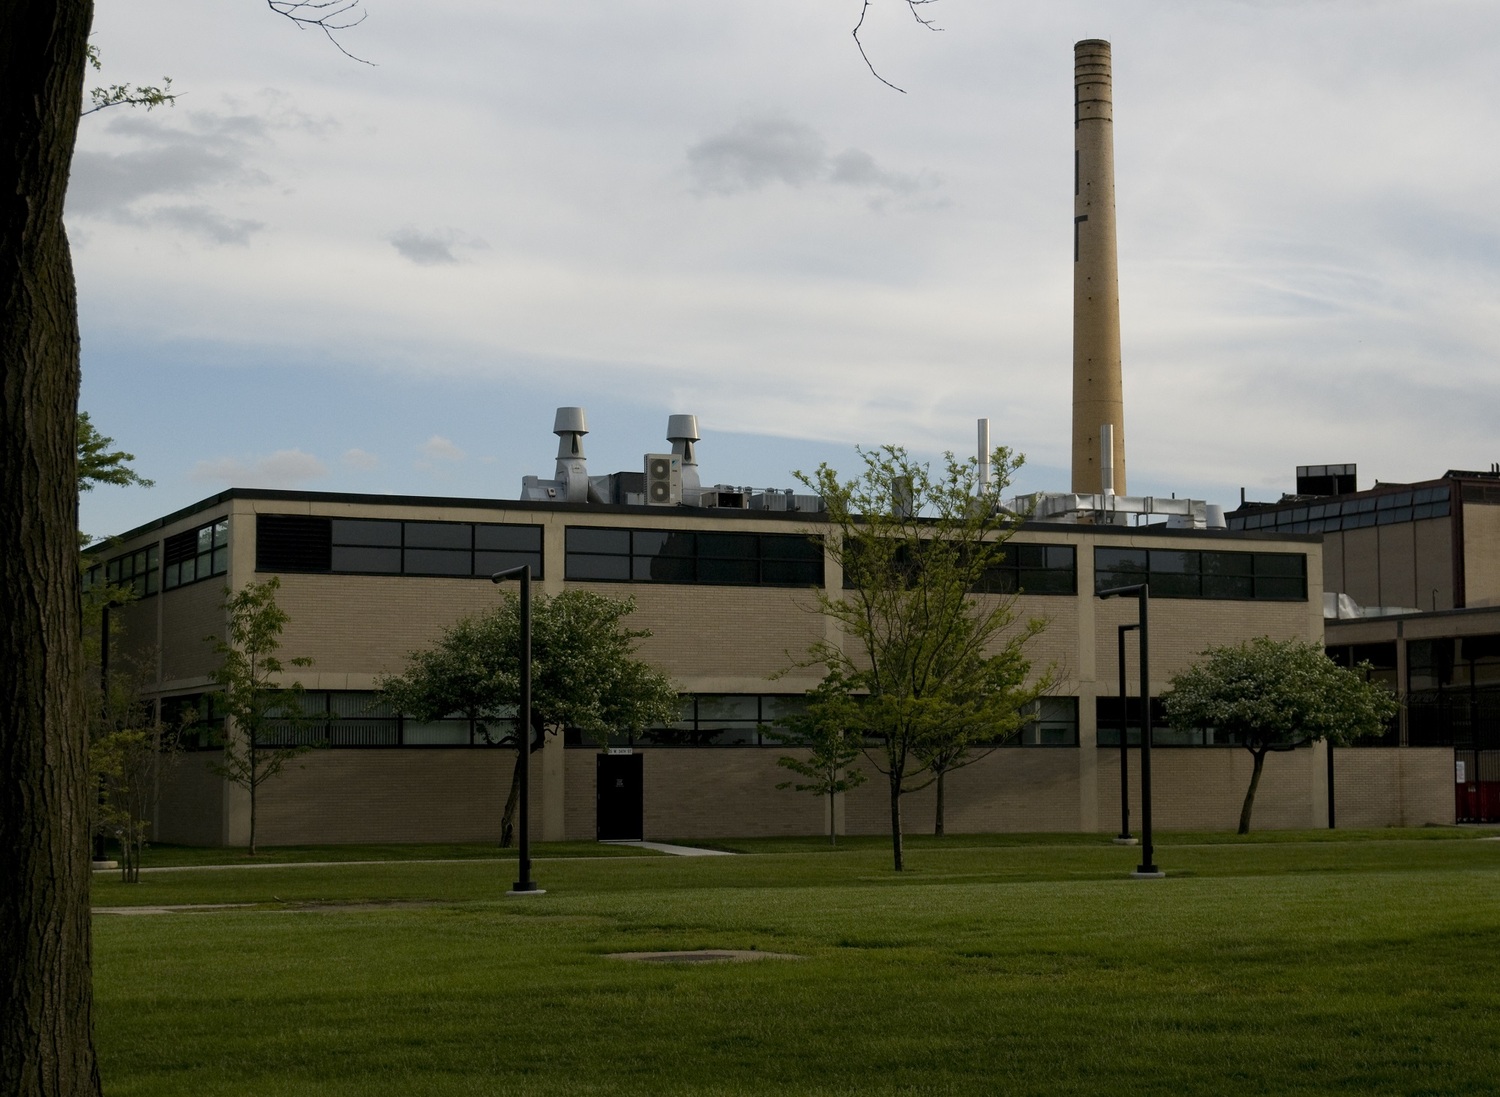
<point>1281,590</point>
<point>196,554</point>
<point>731,545</point>
<point>293,542</point>
<point>1228,563</point>
<point>487,563</point>
<point>664,569</point>
<point>599,540</point>
<point>508,538</point>
<point>670,556</point>
<point>586,566</point>
<point>792,573</point>
<point>448,535</point>
<point>729,572</point>
<point>380,560</point>
<point>791,548</point>
<point>424,561</point>
<point>1224,586</point>
<point>364,531</point>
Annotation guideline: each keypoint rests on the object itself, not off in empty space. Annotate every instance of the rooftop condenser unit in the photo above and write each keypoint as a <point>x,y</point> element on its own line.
<point>663,479</point>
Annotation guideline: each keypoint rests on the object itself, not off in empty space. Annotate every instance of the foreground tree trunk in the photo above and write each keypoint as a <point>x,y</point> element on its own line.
<point>1260,761</point>
<point>896,851</point>
<point>46,1000</point>
<point>937,825</point>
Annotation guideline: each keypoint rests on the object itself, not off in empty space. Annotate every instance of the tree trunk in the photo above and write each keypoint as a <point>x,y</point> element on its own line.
<point>46,997</point>
<point>896,822</point>
<point>1260,760</point>
<point>937,826</point>
<point>832,837</point>
<point>508,818</point>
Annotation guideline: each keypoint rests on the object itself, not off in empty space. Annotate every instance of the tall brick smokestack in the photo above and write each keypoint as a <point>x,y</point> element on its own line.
<point>1098,396</point>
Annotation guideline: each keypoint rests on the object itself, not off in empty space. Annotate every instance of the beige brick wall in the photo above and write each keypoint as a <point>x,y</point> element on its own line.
<point>190,808</point>
<point>1203,788</point>
<point>1391,787</point>
<point>188,614</point>
<point>1481,555</point>
<point>360,796</point>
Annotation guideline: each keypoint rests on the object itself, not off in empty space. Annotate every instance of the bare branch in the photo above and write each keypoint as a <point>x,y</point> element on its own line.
<point>329,16</point>
<point>914,6</point>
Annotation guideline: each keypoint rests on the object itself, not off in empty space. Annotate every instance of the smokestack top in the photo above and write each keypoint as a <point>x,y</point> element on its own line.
<point>1092,81</point>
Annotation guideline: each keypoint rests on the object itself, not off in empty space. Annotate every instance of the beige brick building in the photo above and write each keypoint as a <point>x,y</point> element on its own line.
<point>728,595</point>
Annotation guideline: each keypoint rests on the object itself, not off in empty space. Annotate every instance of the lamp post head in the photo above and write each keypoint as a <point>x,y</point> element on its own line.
<point>522,572</point>
<point>1135,590</point>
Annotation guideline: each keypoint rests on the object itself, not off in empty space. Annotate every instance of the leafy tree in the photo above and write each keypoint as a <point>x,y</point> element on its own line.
<point>935,665</point>
<point>1273,695</point>
<point>832,750</point>
<point>585,675</point>
<point>260,709</point>
<point>127,95</point>
<point>98,464</point>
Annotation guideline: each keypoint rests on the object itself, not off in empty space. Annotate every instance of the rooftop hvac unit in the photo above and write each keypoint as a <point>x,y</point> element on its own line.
<point>663,479</point>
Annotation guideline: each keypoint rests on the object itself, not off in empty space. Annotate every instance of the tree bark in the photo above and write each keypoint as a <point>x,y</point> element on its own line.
<point>46,998</point>
<point>508,817</point>
<point>1260,760</point>
<point>896,852</point>
<point>937,826</point>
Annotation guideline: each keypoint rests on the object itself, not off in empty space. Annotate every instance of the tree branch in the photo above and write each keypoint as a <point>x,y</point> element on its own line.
<point>329,16</point>
<point>914,6</point>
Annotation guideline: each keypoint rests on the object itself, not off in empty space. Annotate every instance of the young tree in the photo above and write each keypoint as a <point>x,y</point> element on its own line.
<point>585,675</point>
<point>832,750</point>
<point>934,663</point>
<point>264,714</point>
<point>1273,695</point>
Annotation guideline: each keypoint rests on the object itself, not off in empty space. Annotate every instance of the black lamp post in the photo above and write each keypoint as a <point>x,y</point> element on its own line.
<point>525,885</point>
<point>1147,868</point>
<point>1124,839</point>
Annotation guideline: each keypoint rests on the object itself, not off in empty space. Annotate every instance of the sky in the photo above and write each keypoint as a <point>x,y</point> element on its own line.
<point>318,273</point>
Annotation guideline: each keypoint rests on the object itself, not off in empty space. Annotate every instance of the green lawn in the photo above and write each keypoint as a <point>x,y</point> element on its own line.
<point>1274,964</point>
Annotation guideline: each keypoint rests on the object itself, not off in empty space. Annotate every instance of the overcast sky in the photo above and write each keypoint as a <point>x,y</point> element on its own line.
<point>321,274</point>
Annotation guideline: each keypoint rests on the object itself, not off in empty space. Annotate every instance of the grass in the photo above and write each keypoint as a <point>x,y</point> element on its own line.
<point>994,965</point>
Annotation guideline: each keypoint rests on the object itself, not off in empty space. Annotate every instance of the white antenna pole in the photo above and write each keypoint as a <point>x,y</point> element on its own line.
<point>984,457</point>
<point>1107,458</point>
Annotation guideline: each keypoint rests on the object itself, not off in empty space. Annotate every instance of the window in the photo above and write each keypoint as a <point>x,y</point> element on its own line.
<point>1173,573</point>
<point>720,720</point>
<point>370,546</point>
<point>1163,734</point>
<point>691,556</point>
<point>196,555</point>
<point>1034,569</point>
<point>139,572</point>
<point>1054,723</point>
<point>1355,512</point>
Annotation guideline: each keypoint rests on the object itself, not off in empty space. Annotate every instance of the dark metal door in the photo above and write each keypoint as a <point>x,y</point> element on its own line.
<point>620,797</point>
<point>1477,783</point>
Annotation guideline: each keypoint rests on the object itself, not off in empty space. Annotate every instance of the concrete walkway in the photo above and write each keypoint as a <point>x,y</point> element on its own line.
<point>675,851</point>
<point>657,847</point>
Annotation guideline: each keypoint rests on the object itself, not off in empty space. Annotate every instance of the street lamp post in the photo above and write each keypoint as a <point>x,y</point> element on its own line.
<point>1142,592</point>
<point>525,885</point>
<point>1124,839</point>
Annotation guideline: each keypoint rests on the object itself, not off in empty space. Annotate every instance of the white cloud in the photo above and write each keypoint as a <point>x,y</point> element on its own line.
<point>283,469</point>
<point>438,448</point>
<point>361,460</point>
